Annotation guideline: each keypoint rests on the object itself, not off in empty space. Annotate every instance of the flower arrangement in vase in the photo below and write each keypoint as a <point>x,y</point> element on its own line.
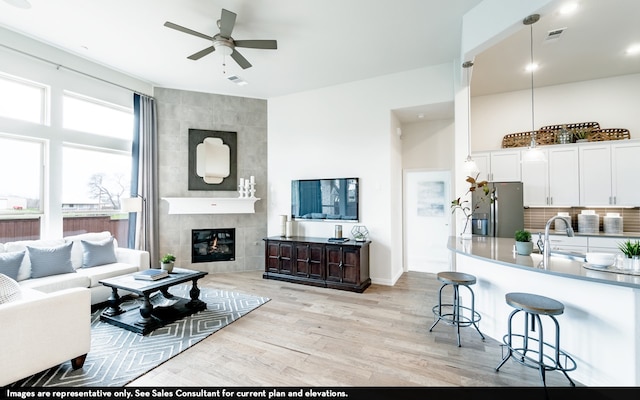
<point>466,206</point>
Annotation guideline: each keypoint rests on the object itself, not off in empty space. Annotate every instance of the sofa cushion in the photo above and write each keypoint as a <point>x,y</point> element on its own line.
<point>10,263</point>
<point>96,274</point>
<point>25,268</point>
<point>77,251</point>
<point>98,253</point>
<point>53,283</point>
<point>9,289</point>
<point>46,261</point>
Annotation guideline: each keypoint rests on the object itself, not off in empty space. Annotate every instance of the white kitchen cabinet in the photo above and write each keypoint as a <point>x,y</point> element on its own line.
<point>565,243</point>
<point>605,244</point>
<point>625,159</point>
<point>554,182</point>
<point>498,165</point>
<point>483,161</point>
<point>607,174</point>
<point>595,175</point>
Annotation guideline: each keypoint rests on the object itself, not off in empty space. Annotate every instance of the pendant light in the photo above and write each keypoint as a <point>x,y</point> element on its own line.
<point>470,167</point>
<point>533,154</point>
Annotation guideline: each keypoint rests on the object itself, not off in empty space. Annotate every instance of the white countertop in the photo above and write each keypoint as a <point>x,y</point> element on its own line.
<point>500,251</point>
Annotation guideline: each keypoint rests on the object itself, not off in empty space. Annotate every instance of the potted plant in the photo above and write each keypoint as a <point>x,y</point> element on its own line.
<point>631,250</point>
<point>524,245</point>
<point>465,205</point>
<point>167,261</point>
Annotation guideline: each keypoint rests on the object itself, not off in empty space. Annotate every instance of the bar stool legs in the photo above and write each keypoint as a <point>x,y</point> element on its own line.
<point>454,313</point>
<point>554,359</point>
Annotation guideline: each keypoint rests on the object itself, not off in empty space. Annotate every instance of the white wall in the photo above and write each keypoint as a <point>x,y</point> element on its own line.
<point>612,102</point>
<point>348,130</point>
<point>428,144</point>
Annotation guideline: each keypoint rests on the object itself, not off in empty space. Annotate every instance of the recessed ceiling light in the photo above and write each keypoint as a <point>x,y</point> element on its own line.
<point>421,115</point>
<point>633,49</point>
<point>568,8</point>
<point>19,3</point>
<point>531,67</point>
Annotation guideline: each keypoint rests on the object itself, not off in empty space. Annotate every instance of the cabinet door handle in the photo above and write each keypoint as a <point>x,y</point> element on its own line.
<point>550,200</point>
<point>615,200</point>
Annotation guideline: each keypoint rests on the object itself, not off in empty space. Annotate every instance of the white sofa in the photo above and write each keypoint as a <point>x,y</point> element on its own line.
<point>42,330</point>
<point>126,261</point>
<point>47,289</point>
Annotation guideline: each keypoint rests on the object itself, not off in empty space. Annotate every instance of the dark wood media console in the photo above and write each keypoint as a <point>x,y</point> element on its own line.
<point>318,262</point>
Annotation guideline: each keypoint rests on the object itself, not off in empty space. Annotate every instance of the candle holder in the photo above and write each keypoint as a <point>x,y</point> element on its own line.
<point>242,192</point>
<point>252,189</point>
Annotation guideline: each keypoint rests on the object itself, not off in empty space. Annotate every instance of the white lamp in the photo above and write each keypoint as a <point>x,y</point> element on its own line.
<point>131,204</point>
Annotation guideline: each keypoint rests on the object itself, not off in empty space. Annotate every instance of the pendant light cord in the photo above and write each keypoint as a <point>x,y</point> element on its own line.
<point>533,125</point>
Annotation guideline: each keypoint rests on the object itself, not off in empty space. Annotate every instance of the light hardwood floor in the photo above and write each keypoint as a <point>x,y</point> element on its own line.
<point>308,336</point>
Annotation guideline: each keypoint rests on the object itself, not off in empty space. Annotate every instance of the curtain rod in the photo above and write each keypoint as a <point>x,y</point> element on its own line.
<point>58,66</point>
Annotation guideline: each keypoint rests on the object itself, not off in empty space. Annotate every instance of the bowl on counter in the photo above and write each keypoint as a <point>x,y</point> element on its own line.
<point>603,259</point>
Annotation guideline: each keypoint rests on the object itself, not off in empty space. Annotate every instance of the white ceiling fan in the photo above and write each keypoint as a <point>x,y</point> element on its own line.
<point>223,42</point>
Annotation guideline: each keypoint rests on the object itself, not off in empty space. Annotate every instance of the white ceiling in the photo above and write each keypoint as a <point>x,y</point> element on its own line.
<point>592,46</point>
<point>320,42</point>
<point>324,42</point>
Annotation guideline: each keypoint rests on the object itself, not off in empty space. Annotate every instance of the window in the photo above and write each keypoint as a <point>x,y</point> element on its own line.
<point>20,176</point>
<point>21,99</point>
<point>94,179</point>
<point>91,115</point>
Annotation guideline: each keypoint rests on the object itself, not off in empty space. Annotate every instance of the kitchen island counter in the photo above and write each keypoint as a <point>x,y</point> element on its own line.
<point>600,326</point>
<point>500,250</point>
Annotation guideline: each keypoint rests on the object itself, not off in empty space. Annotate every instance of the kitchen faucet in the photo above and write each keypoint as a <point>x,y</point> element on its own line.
<point>546,247</point>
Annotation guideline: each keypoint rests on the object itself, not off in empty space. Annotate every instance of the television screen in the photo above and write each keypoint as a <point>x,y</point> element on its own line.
<point>325,199</point>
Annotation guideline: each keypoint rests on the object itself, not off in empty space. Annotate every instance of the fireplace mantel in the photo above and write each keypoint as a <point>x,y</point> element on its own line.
<point>211,205</point>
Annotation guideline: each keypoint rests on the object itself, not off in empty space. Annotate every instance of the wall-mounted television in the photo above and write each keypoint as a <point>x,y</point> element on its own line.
<point>325,199</point>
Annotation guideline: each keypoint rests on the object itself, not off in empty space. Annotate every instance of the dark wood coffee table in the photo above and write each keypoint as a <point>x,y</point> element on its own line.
<point>147,318</point>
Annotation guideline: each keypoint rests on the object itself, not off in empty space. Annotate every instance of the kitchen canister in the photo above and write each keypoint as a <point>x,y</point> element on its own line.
<point>559,225</point>
<point>588,222</point>
<point>612,223</point>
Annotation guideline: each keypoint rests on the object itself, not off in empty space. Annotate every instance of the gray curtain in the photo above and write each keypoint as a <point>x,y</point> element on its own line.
<point>144,176</point>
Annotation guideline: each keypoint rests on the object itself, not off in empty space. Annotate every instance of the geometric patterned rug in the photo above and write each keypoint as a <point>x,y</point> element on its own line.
<point>118,356</point>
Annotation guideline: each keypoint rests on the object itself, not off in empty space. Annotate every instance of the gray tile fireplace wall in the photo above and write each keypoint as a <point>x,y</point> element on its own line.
<point>180,110</point>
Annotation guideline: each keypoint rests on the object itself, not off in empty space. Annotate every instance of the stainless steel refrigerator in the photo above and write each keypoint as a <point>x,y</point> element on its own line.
<point>504,216</point>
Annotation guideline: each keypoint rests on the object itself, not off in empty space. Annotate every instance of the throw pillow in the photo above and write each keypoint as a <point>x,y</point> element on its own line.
<point>10,263</point>
<point>98,253</point>
<point>46,261</point>
<point>9,289</point>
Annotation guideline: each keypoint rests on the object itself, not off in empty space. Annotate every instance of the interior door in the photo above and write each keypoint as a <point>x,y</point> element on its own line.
<point>427,217</point>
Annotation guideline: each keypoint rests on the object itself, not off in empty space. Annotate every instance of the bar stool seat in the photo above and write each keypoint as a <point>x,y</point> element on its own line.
<point>554,358</point>
<point>454,313</point>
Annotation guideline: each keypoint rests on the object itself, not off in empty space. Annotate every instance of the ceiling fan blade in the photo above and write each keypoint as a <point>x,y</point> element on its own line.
<point>240,59</point>
<point>186,30</point>
<point>257,44</point>
<point>227,21</point>
<point>201,53</point>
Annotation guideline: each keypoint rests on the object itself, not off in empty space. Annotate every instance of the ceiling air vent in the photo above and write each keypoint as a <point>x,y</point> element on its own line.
<point>554,34</point>
<point>237,80</point>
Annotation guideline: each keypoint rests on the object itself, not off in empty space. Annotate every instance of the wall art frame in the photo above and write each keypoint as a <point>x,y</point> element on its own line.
<point>196,182</point>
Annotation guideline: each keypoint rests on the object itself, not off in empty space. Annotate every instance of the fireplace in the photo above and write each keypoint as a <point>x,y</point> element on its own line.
<point>209,245</point>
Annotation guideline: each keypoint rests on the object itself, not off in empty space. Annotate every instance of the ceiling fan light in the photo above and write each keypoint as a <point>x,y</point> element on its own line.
<point>222,48</point>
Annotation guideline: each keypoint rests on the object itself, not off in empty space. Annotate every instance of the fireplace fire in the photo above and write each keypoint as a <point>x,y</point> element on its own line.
<point>208,245</point>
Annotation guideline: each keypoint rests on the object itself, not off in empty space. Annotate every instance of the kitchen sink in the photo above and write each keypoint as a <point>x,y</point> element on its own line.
<point>571,255</point>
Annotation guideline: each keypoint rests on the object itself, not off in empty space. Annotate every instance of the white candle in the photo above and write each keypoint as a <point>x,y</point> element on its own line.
<point>241,182</point>
<point>253,179</point>
<point>246,184</point>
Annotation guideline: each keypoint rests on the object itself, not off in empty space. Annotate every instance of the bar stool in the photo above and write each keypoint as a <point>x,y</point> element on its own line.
<point>554,359</point>
<point>454,313</point>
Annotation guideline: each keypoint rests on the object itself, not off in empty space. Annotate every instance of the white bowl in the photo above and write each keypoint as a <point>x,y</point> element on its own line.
<point>601,258</point>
